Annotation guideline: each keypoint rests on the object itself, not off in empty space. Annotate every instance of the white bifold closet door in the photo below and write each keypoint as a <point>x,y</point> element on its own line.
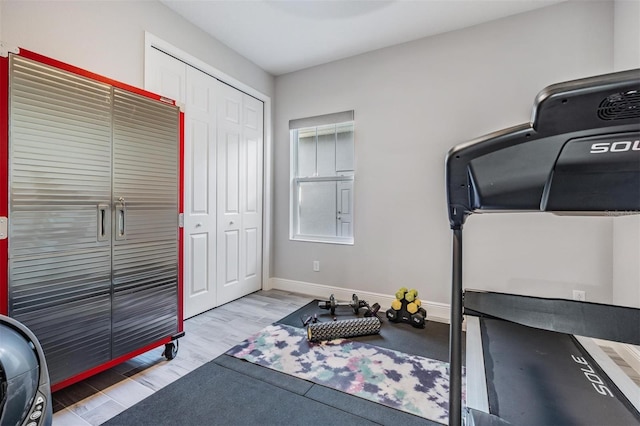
<point>223,183</point>
<point>239,195</point>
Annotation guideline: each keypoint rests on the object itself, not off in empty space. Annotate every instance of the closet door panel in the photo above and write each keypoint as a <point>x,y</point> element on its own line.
<point>199,193</point>
<point>240,156</point>
<point>60,190</point>
<point>145,239</point>
<point>252,192</point>
<point>230,151</point>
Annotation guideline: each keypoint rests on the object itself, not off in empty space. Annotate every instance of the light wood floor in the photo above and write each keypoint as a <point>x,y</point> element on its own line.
<point>208,335</point>
<point>629,371</point>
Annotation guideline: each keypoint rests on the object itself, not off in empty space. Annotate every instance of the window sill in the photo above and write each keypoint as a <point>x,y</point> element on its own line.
<point>323,240</point>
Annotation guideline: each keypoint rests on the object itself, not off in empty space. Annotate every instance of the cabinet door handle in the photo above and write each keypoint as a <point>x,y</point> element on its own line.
<point>121,223</point>
<point>121,218</point>
<point>103,220</point>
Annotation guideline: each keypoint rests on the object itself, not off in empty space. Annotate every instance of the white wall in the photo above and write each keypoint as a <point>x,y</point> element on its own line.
<point>412,103</point>
<point>107,37</point>
<point>626,261</point>
<point>626,230</point>
<point>626,48</point>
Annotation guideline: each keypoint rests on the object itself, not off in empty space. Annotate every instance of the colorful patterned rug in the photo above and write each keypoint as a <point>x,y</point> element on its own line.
<point>409,383</point>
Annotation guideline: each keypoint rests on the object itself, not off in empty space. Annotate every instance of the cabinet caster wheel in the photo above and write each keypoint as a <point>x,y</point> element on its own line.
<point>170,350</point>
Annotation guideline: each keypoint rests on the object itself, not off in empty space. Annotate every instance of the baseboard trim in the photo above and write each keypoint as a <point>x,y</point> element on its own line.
<point>435,311</point>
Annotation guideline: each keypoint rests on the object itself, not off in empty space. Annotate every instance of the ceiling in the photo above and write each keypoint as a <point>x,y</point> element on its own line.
<point>288,35</point>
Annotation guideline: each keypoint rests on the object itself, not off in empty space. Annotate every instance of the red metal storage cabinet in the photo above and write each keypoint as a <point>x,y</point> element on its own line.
<point>89,215</point>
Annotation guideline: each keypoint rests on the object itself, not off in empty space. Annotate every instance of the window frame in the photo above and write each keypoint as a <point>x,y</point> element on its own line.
<point>296,181</point>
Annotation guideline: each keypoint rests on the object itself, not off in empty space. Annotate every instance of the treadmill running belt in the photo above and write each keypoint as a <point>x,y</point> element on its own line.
<point>538,377</point>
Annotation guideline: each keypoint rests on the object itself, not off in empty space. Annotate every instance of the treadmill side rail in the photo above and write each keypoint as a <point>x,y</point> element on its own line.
<point>475,378</point>
<point>480,418</point>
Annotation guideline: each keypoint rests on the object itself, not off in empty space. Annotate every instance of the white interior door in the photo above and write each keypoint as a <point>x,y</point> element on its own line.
<point>165,76</point>
<point>223,169</point>
<point>195,90</point>
<point>240,152</point>
<point>200,194</point>
<point>252,185</point>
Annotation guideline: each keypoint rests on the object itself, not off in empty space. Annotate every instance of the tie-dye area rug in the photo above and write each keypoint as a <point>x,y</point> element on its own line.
<point>405,382</point>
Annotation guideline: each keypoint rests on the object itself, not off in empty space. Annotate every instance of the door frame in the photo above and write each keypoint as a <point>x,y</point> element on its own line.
<point>150,42</point>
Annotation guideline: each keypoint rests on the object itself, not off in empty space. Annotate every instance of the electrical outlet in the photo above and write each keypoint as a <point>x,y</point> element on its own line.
<point>579,295</point>
<point>316,265</point>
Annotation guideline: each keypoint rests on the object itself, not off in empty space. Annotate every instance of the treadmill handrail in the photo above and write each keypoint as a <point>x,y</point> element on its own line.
<point>561,112</point>
<point>598,320</point>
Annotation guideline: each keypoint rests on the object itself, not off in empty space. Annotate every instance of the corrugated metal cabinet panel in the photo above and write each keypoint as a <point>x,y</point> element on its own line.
<point>145,250</point>
<point>93,208</point>
<point>59,171</point>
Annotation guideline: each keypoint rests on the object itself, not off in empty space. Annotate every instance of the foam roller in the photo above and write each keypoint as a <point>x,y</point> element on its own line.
<point>343,329</point>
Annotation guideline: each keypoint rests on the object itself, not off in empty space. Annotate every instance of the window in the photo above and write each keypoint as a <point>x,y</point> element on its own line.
<point>322,174</point>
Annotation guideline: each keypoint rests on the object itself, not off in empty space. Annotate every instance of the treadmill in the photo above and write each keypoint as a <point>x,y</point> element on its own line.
<point>525,364</point>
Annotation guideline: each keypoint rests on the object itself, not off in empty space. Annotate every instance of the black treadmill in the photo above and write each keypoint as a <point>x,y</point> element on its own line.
<point>528,359</point>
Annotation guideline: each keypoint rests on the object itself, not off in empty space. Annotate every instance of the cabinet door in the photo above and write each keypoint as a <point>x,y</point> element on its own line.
<point>145,221</point>
<point>60,191</point>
